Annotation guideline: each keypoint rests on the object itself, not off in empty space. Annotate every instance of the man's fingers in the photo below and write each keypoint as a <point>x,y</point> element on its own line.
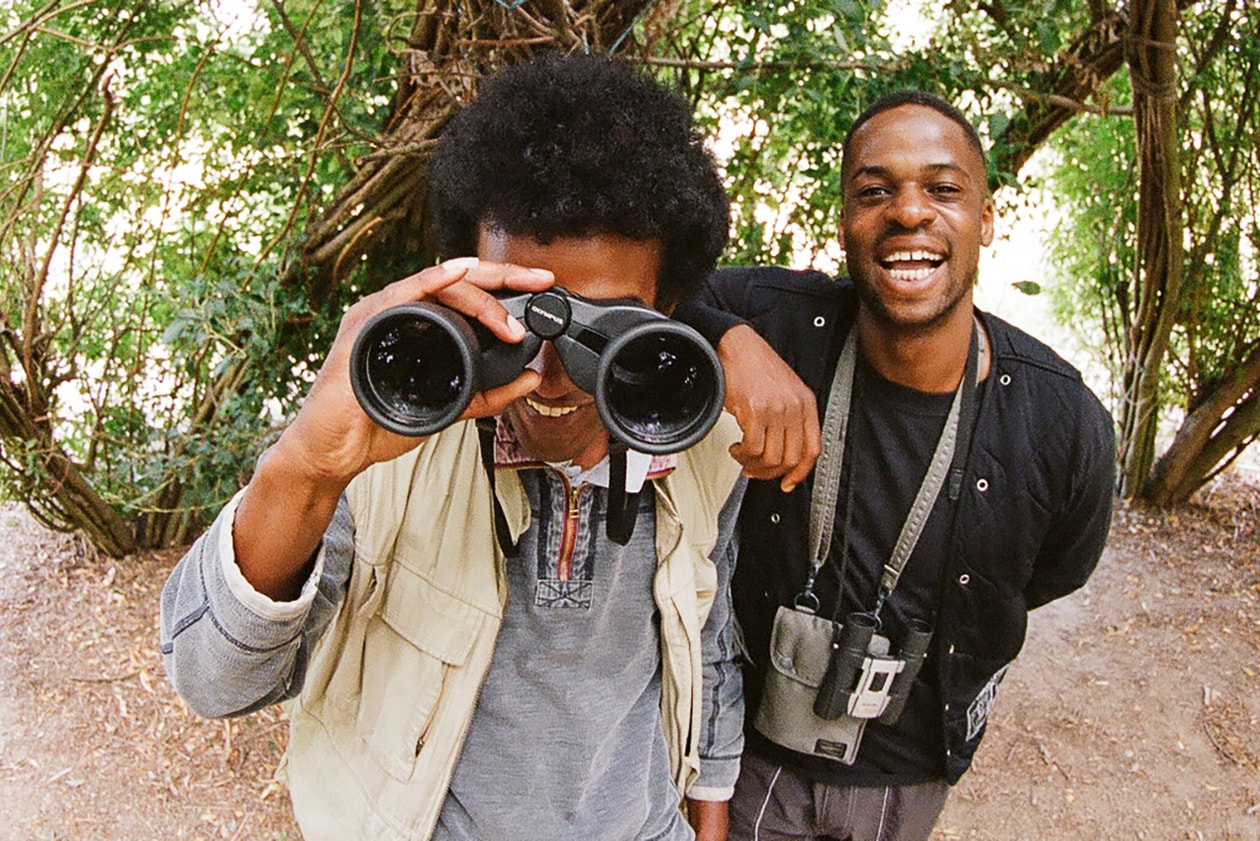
<point>495,400</point>
<point>772,451</point>
<point>780,443</point>
<point>752,463</point>
<point>472,294</point>
<point>426,282</point>
<point>811,450</point>
<point>464,284</point>
<point>754,440</point>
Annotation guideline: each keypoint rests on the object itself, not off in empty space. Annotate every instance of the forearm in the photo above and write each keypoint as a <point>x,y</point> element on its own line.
<point>710,819</point>
<point>280,522</point>
<point>722,709</point>
<point>228,649</point>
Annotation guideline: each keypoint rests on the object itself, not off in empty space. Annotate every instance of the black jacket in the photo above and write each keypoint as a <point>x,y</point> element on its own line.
<point>1030,525</point>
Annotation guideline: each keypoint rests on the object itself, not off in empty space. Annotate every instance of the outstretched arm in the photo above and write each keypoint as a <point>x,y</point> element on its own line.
<point>243,607</point>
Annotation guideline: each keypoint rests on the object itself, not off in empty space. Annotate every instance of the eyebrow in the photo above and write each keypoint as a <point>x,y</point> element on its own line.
<point>872,169</point>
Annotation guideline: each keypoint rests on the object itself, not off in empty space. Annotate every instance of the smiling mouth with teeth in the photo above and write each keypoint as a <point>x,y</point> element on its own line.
<point>550,411</point>
<point>912,265</point>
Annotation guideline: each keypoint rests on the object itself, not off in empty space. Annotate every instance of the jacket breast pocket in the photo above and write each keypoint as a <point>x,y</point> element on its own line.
<point>415,648</point>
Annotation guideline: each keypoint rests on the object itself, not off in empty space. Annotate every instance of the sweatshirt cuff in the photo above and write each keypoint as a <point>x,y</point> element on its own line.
<point>717,794</point>
<point>262,606</point>
<point>716,780</point>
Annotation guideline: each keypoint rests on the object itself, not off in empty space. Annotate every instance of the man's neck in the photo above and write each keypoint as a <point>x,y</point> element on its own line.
<point>930,360</point>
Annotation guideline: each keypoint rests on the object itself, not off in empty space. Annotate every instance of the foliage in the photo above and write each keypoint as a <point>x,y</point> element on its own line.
<point>779,83</point>
<point>1092,251</point>
<point>790,77</point>
<point>187,199</point>
<point>159,160</point>
<point>1217,325</point>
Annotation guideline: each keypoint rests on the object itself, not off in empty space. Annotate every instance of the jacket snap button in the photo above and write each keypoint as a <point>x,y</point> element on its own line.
<point>820,321</point>
<point>982,485</point>
<point>785,662</point>
<point>1005,379</point>
<point>774,518</point>
<point>964,579</point>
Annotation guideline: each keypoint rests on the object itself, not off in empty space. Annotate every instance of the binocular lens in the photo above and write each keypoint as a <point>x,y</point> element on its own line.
<point>414,370</point>
<point>661,387</point>
<point>411,371</point>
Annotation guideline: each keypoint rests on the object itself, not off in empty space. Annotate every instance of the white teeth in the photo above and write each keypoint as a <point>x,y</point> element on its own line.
<point>907,256</point>
<point>910,274</point>
<point>550,411</point>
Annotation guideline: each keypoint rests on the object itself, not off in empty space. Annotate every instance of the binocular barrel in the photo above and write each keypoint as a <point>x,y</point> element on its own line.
<point>416,367</point>
<point>914,646</point>
<point>848,652</point>
<point>658,385</point>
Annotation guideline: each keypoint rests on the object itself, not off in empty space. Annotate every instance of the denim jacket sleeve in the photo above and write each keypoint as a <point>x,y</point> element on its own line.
<point>229,650</point>
<point>722,730</point>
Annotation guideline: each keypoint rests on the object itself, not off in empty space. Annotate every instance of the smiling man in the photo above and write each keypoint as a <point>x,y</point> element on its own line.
<point>966,477</point>
<point>471,654</point>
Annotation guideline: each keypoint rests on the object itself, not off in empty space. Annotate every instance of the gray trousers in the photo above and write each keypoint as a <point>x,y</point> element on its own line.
<point>774,803</point>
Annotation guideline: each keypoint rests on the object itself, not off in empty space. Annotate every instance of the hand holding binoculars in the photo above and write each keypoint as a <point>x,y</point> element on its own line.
<point>658,385</point>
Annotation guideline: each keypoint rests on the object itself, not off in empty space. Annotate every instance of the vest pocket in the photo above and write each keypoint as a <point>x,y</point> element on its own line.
<point>413,648</point>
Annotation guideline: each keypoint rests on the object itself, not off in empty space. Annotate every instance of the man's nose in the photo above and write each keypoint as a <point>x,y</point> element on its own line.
<point>555,379</point>
<point>912,208</point>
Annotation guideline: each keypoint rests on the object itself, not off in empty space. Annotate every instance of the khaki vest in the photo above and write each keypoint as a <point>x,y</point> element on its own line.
<point>392,684</point>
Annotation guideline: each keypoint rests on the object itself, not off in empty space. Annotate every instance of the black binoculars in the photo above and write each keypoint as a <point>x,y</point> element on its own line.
<point>864,682</point>
<point>658,385</point>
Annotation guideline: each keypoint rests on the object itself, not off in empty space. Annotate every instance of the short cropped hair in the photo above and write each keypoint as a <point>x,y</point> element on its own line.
<point>576,146</point>
<point>887,102</point>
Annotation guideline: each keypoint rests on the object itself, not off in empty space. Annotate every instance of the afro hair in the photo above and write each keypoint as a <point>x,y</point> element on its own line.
<point>575,146</point>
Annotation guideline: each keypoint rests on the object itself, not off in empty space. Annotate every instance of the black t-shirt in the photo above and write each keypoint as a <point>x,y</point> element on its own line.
<point>893,433</point>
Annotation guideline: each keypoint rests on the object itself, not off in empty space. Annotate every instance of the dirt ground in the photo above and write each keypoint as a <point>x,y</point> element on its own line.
<point>1134,712</point>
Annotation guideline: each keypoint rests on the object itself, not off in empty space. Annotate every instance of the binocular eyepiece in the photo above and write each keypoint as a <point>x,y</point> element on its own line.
<point>657,384</point>
<point>864,682</point>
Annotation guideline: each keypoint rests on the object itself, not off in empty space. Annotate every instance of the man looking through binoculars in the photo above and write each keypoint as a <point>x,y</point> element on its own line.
<point>471,653</point>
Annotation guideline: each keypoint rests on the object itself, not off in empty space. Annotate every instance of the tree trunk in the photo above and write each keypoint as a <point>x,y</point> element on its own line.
<point>1153,69</point>
<point>64,499</point>
<point>1212,435</point>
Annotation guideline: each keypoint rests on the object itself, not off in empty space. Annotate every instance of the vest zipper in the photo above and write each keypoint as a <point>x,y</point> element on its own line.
<point>568,538</point>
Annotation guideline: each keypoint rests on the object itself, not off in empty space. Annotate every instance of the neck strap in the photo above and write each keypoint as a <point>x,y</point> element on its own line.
<point>947,460</point>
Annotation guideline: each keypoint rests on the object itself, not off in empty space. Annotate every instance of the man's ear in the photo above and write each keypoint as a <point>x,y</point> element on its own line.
<point>986,222</point>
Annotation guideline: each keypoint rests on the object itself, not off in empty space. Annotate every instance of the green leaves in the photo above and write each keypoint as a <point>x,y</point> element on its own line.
<point>158,160</point>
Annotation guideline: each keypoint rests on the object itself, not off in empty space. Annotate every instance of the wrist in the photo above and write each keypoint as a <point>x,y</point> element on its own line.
<point>289,463</point>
